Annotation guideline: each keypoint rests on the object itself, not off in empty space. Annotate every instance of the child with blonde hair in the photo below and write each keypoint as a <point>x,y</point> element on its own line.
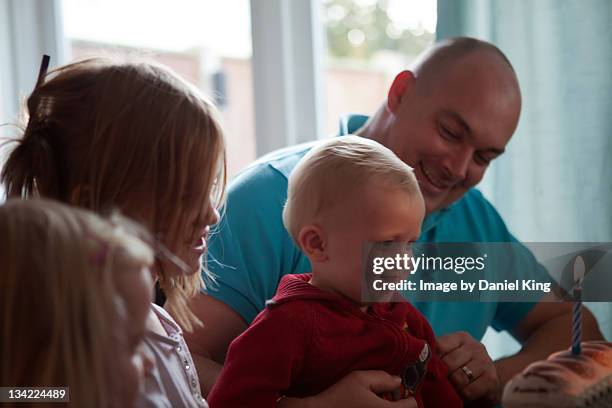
<point>75,295</point>
<point>344,193</point>
<point>132,135</point>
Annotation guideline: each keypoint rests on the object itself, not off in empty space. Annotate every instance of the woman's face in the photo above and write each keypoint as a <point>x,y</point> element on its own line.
<point>192,236</point>
<point>186,239</point>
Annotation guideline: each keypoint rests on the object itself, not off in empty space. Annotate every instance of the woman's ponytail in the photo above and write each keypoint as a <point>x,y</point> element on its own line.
<point>32,165</point>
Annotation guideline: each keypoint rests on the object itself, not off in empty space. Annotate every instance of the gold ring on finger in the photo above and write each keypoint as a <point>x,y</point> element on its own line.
<point>468,373</point>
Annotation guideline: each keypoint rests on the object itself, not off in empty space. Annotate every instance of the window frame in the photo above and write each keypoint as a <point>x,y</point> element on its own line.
<point>287,69</point>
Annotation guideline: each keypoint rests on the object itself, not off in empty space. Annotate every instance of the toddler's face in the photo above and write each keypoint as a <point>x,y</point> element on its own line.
<point>375,214</point>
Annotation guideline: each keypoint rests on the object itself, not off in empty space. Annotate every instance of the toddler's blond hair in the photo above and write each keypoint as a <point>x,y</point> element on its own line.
<point>333,171</point>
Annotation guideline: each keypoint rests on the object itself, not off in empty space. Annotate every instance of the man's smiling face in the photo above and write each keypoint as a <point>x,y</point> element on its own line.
<point>450,125</point>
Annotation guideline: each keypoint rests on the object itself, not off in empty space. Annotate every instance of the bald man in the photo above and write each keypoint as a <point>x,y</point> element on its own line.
<point>449,118</point>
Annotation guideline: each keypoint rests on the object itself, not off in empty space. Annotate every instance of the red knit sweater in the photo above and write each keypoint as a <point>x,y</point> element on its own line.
<point>307,339</point>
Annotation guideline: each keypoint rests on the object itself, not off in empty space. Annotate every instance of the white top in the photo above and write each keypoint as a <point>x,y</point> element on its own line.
<point>174,382</point>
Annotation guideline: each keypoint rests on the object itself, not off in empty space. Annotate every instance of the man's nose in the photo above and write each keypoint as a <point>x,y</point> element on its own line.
<point>457,164</point>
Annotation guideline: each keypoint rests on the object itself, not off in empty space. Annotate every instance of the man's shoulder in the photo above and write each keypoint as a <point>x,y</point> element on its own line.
<point>277,163</point>
<point>263,184</point>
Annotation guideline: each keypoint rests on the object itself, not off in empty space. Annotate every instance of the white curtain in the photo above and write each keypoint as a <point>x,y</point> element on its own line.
<point>554,183</point>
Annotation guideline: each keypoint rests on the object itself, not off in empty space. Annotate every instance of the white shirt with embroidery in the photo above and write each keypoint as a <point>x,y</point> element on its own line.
<point>174,382</point>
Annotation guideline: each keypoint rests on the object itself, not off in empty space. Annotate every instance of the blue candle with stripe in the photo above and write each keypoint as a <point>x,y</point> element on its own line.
<point>579,268</point>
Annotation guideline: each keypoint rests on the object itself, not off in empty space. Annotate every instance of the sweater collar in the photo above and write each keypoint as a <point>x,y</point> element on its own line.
<point>298,287</point>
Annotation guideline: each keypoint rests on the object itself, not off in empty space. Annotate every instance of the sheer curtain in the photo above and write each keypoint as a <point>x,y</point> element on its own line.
<point>553,184</point>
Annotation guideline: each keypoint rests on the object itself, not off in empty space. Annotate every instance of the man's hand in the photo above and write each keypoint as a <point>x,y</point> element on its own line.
<point>471,370</point>
<point>358,389</point>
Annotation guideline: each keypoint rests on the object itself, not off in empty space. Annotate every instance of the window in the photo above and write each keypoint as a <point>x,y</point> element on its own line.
<point>368,43</point>
<point>208,42</point>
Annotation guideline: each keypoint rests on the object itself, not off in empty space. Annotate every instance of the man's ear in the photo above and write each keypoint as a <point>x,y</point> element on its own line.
<point>312,241</point>
<point>402,83</point>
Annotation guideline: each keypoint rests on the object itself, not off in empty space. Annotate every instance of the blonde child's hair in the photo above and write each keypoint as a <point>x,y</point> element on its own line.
<point>333,171</point>
<point>104,133</point>
<point>60,308</point>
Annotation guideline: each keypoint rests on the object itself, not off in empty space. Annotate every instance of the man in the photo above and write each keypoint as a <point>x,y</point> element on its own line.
<point>448,118</point>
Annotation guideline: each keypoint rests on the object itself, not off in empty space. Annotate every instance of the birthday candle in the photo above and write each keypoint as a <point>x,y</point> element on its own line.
<point>579,268</point>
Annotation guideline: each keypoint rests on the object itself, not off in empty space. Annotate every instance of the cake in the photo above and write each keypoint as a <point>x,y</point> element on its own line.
<point>565,380</point>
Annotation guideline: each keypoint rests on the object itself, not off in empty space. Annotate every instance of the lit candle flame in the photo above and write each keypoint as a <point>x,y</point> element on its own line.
<point>579,268</point>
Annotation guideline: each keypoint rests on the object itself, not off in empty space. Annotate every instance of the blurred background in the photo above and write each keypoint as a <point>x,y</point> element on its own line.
<point>283,71</point>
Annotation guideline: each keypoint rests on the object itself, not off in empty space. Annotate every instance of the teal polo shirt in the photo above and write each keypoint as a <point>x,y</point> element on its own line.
<point>250,249</point>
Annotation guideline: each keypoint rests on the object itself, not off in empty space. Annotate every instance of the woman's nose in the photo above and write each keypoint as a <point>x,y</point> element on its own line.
<point>212,216</point>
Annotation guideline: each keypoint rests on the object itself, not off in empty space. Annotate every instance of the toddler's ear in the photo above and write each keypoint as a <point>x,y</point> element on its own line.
<point>311,240</point>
